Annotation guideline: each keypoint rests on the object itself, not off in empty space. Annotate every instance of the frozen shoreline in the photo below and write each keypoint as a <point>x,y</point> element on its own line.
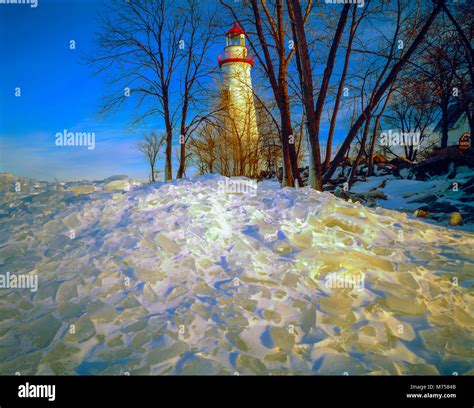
<point>184,278</point>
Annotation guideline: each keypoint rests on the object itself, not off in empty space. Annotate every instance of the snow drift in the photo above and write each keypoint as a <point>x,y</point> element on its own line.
<point>191,277</point>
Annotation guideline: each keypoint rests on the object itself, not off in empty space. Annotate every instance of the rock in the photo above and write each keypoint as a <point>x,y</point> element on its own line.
<point>468,186</point>
<point>383,184</point>
<point>441,162</point>
<point>439,207</point>
<point>420,213</point>
<point>375,195</point>
<point>425,199</point>
<point>399,161</point>
<point>455,219</point>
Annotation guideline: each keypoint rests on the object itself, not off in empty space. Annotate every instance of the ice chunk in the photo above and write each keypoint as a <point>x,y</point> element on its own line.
<point>81,330</point>
<point>250,365</point>
<point>118,185</point>
<point>335,305</point>
<point>166,243</point>
<point>66,291</point>
<point>408,305</point>
<point>282,338</point>
<point>82,189</point>
<point>41,331</point>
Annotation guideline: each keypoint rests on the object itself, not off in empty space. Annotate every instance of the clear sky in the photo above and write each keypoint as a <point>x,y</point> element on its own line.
<point>59,92</point>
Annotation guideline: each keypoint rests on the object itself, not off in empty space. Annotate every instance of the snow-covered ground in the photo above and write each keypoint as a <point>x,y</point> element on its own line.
<point>195,277</point>
<point>409,195</point>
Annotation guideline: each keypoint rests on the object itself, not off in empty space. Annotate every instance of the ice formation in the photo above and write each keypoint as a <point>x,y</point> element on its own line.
<point>186,278</point>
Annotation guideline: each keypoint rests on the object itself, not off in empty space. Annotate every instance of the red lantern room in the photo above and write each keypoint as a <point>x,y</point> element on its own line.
<point>235,50</point>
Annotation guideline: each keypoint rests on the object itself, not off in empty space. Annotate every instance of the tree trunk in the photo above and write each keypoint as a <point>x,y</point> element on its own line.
<point>370,170</point>
<point>444,122</point>
<point>152,175</point>
<point>359,154</point>
<point>280,91</point>
<point>313,114</point>
<point>169,137</point>
<point>286,131</point>
<point>182,153</point>
<point>182,161</point>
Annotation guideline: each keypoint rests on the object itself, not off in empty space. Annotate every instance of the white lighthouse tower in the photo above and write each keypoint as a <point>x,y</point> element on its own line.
<point>236,63</point>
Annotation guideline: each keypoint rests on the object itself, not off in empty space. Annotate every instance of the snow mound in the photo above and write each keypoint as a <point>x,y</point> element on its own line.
<point>219,276</point>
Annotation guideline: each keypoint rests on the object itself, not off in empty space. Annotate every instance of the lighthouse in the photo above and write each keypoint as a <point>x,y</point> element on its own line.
<point>238,101</point>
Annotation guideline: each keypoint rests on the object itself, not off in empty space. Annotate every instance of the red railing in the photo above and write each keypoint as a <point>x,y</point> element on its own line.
<point>224,58</point>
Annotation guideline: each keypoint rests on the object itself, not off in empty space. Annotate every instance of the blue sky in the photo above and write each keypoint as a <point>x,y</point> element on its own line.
<point>58,92</point>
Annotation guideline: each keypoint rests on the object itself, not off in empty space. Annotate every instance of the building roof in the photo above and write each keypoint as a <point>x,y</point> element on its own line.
<point>236,30</point>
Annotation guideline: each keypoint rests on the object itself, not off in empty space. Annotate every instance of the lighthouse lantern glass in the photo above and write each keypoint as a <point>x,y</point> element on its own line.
<point>236,39</point>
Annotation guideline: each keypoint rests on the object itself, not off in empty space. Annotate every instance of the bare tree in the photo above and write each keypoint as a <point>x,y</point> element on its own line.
<point>413,108</point>
<point>355,23</point>
<point>387,78</point>
<point>196,42</point>
<point>143,48</point>
<point>314,112</point>
<point>150,147</point>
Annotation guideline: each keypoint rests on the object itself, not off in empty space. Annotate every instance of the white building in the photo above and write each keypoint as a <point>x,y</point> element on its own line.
<point>237,93</point>
<point>458,125</point>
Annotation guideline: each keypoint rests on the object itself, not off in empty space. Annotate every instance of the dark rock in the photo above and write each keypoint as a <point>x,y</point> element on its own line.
<point>469,190</point>
<point>426,199</point>
<point>439,207</point>
<point>383,184</point>
<point>468,186</point>
<point>441,162</point>
<point>400,161</point>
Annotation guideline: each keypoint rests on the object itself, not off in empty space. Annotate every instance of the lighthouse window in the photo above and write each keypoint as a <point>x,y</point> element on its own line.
<point>236,40</point>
